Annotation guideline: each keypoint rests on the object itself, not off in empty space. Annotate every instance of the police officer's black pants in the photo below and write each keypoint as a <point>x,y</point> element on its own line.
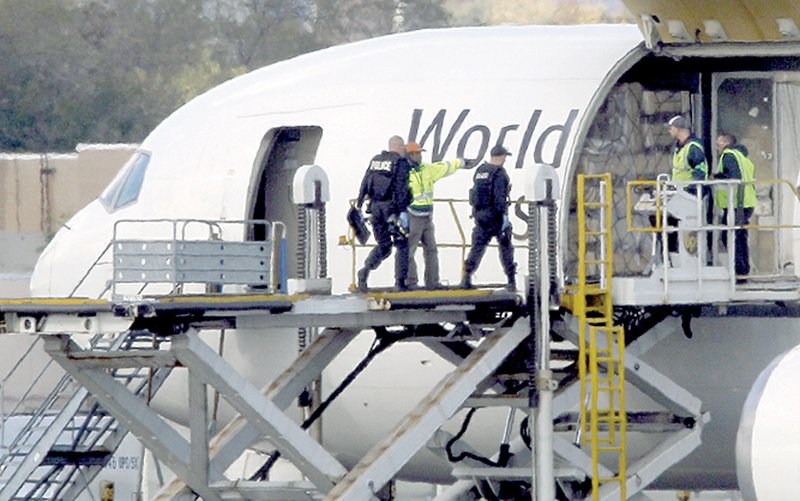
<point>742,259</point>
<point>384,236</point>
<point>486,228</point>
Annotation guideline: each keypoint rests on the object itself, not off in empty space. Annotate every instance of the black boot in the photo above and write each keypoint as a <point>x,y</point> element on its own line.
<point>400,286</point>
<point>512,284</point>
<point>466,282</point>
<point>363,273</point>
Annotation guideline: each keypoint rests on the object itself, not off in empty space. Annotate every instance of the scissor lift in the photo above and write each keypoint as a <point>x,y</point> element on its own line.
<point>199,462</point>
<point>478,330</point>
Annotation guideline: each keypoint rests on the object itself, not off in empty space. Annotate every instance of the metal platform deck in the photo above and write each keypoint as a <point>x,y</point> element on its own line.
<point>486,327</point>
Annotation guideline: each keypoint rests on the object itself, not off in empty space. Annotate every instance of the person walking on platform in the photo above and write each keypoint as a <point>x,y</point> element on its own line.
<point>489,198</point>
<point>421,179</point>
<point>735,164</point>
<point>385,184</point>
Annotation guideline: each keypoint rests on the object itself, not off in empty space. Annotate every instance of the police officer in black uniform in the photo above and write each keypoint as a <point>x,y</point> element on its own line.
<point>385,184</point>
<point>489,198</point>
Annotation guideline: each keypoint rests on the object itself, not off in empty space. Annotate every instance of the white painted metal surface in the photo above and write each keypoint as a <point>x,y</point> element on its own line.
<point>768,442</point>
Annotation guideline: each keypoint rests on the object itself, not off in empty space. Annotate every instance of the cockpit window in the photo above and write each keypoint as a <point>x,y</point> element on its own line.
<point>125,188</point>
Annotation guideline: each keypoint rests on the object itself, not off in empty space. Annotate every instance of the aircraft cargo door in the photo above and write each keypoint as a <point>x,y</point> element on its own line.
<point>283,150</point>
<point>744,107</point>
<point>760,109</point>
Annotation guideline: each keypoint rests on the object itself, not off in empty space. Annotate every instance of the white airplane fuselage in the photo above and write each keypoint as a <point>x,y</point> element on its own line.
<point>229,154</point>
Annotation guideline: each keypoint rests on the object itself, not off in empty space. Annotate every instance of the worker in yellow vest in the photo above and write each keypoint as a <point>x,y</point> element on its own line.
<point>422,177</point>
<point>735,164</point>
<point>689,157</point>
<point>688,164</point>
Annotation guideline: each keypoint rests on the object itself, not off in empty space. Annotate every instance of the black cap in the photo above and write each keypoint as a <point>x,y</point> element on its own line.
<point>499,151</point>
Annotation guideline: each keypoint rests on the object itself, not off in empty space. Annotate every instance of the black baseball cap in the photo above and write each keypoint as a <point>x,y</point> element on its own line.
<point>499,151</point>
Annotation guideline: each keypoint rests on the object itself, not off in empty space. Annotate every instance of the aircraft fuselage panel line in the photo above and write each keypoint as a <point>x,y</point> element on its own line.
<point>293,442</point>
<point>135,415</point>
<point>386,458</point>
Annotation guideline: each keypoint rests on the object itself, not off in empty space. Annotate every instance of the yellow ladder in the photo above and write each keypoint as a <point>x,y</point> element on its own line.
<point>602,345</point>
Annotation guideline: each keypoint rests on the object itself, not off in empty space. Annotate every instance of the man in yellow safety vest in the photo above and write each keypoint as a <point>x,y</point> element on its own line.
<point>688,164</point>
<point>421,179</point>
<point>735,164</point>
<point>689,158</point>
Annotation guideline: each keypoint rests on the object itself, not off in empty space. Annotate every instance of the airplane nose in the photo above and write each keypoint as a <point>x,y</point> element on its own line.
<point>41,278</point>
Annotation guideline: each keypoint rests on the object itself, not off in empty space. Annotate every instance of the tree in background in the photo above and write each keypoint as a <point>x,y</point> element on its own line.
<point>110,70</point>
<point>98,71</point>
<point>491,12</point>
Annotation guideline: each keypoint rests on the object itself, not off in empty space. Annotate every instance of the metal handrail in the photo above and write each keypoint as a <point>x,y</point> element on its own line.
<point>664,185</point>
<point>175,222</point>
<point>215,232</point>
<point>11,372</point>
<point>464,243</point>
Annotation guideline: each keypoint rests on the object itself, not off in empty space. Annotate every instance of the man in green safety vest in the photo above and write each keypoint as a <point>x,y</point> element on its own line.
<point>688,164</point>
<point>689,158</point>
<point>421,179</point>
<point>735,164</point>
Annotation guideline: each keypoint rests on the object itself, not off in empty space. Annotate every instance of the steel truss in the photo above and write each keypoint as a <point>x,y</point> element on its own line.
<point>200,461</point>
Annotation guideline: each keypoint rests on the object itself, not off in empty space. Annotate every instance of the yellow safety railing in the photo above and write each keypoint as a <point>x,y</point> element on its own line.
<point>457,209</point>
<point>658,188</point>
<point>600,363</point>
<point>640,186</point>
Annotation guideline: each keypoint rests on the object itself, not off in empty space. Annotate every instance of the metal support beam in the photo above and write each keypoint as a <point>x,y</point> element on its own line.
<point>232,440</point>
<point>293,442</point>
<point>386,458</point>
<point>112,443</point>
<point>577,457</point>
<point>456,491</point>
<point>45,442</point>
<point>198,426</point>
<point>55,428</point>
<point>124,359</point>
<point>647,468</point>
<point>154,433</point>
<point>660,388</point>
<point>668,394</point>
<point>266,491</point>
<point>646,378</point>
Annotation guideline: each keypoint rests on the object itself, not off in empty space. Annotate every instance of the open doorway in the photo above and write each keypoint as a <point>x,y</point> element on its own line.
<point>282,151</point>
<point>744,105</point>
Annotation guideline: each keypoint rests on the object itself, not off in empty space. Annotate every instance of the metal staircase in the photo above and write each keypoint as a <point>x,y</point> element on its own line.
<point>600,361</point>
<point>70,438</point>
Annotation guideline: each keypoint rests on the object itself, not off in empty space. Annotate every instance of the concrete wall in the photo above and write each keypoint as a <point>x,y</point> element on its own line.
<point>38,193</point>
